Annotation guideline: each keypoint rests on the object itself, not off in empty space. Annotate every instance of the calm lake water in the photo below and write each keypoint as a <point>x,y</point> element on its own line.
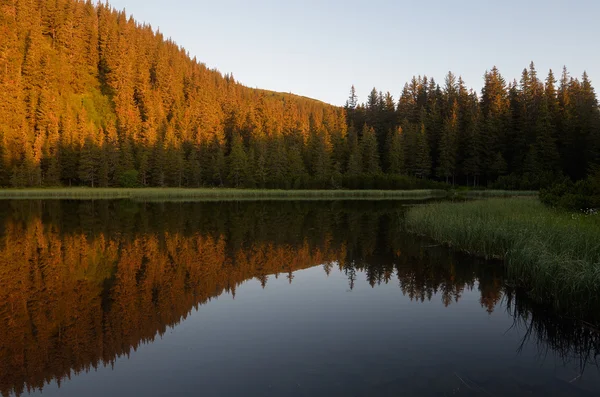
<point>119,298</point>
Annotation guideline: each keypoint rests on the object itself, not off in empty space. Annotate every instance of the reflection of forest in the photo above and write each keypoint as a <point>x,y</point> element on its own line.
<point>82,283</point>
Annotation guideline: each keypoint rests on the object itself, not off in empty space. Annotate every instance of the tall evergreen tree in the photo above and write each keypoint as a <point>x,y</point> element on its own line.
<point>396,152</point>
<point>423,157</point>
<point>370,152</point>
<point>90,163</point>
<point>449,145</point>
<point>238,163</point>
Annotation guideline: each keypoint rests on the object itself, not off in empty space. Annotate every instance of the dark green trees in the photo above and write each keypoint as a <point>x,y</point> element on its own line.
<point>517,135</point>
<point>369,151</point>
<point>448,145</point>
<point>238,163</point>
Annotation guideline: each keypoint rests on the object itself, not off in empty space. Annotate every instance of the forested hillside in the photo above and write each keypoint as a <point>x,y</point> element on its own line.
<point>90,97</point>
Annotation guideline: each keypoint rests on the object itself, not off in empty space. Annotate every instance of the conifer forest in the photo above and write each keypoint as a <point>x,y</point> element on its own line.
<point>90,97</point>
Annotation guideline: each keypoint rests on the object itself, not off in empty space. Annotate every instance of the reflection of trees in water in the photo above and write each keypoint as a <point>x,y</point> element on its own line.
<point>82,283</point>
<point>573,340</point>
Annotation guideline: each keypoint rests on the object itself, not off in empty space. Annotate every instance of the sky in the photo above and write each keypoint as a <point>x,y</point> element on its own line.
<point>319,49</point>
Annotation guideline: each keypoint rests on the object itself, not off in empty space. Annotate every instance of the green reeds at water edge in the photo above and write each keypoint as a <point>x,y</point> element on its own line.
<point>497,193</point>
<point>551,254</point>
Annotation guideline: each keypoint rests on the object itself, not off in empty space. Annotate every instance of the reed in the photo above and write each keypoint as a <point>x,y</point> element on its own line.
<point>498,193</point>
<point>553,255</point>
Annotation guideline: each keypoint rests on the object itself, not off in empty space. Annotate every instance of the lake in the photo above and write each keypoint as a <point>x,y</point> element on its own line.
<point>265,298</point>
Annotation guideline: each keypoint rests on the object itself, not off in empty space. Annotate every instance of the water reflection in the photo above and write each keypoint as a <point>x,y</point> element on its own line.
<point>571,339</point>
<point>83,283</point>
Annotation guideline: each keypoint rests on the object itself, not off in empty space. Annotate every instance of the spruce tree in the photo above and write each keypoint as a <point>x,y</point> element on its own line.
<point>237,163</point>
<point>547,157</point>
<point>320,165</point>
<point>448,145</point>
<point>396,153</point>
<point>89,165</point>
<point>355,163</point>
<point>423,157</point>
<point>370,152</point>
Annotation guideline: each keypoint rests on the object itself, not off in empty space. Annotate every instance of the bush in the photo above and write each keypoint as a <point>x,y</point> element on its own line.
<point>526,181</point>
<point>129,178</point>
<point>580,195</point>
<point>390,182</point>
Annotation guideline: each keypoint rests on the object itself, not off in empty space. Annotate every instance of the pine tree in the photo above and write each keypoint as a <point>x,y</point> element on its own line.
<point>495,111</point>
<point>423,157</point>
<point>449,145</point>
<point>355,163</point>
<point>296,166</point>
<point>277,163</point>
<point>350,106</point>
<point>260,174</point>
<point>370,152</point>
<point>319,156</point>
<point>546,151</point>
<point>498,166</point>
<point>193,169</point>
<point>588,126</point>
<point>471,165</point>
<point>112,154</point>
<point>396,153</point>
<point>89,165</point>
<point>218,163</point>
<point>238,162</point>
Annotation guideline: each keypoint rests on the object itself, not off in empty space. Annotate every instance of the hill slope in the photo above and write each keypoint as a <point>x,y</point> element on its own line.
<point>91,97</point>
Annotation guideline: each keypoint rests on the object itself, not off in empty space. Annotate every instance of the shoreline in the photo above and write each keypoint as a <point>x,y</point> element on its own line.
<point>553,255</point>
<point>79,193</point>
<point>170,193</point>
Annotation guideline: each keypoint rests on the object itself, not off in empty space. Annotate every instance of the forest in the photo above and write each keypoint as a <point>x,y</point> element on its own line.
<point>90,97</point>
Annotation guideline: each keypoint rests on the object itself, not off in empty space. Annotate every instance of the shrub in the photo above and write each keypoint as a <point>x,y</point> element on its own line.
<point>526,181</point>
<point>580,195</point>
<point>129,179</point>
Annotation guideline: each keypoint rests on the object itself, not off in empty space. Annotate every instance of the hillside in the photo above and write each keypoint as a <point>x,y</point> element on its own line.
<point>91,97</point>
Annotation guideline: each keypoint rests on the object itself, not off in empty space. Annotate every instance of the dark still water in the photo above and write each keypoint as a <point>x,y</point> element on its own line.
<point>118,298</point>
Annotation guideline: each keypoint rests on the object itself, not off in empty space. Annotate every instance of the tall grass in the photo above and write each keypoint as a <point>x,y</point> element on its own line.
<point>214,194</point>
<point>553,255</point>
<point>498,193</point>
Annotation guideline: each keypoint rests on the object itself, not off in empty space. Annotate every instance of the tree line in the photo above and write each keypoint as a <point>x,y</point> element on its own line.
<point>92,97</point>
<point>522,134</point>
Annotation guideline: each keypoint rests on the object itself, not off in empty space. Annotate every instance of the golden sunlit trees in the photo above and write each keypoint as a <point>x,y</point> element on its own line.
<point>153,110</point>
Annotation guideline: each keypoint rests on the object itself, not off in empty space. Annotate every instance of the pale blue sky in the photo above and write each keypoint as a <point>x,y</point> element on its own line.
<point>320,48</point>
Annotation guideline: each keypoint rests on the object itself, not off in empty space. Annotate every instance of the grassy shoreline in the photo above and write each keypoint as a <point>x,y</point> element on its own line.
<point>496,193</point>
<point>553,255</point>
<point>151,193</point>
<point>78,193</point>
